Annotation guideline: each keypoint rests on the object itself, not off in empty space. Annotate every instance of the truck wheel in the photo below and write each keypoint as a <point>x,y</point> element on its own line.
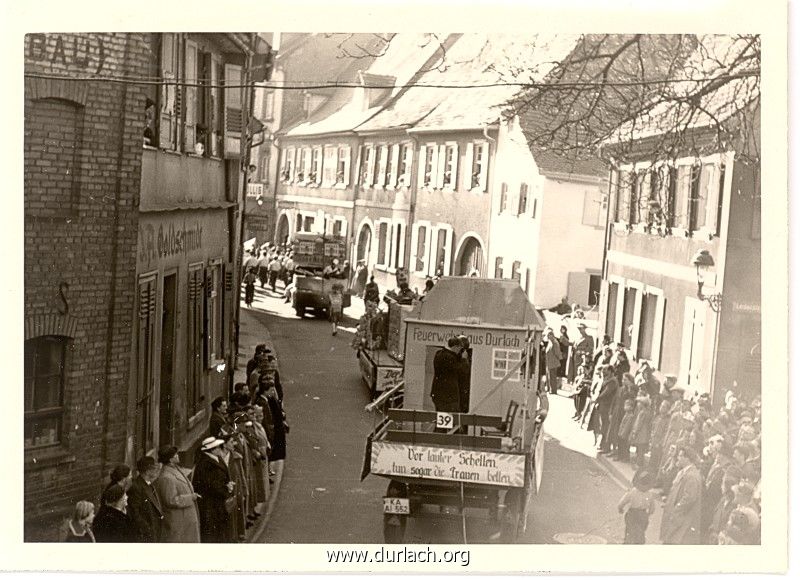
<point>512,517</point>
<point>300,312</point>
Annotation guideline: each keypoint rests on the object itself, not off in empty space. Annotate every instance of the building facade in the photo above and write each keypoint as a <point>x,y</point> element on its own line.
<point>136,188</point>
<point>83,155</point>
<point>663,213</point>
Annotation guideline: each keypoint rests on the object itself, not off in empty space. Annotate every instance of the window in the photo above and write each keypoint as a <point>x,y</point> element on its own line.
<point>397,261</point>
<point>637,179</point>
<point>337,228</point>
<point>404,176</point>
<point>624,188</point>
<point>422,240</point>
<point>611,308</point>
<point>503,197</point>
<point>394,158</point>
<point>214,314</point>
<point>145,364</point>
<point>169,106</point>
<point>628,312</point>
<point>302,161</point>
<point>697,204</point>
<point>428,161</point>
<point>670,192</point>
<point>503,360</point>
<point>522,205</point>
<point>682,196</point>
<point>450,166</point>
<point>298,223</point>
<point>595,282</point>
<point>316,165</point>
<point>308,223</point>
<point>655,213</point>
<point>287,173</point>
<point>594,208</point>
<point>498,267</point>
<point>194,340</point>
<point>515,273</point>
<point>383,239</point>
<point>647,325</point>
<point>442,251</point>
<point>720,200</point>
<point>329,166</point>
<point>383,155</point>
<point>45,364</point>
<point>479,166</point>
<point>343,166</point>
<point>368,166</point>
<point>215,110</point>
<point>191,95</point>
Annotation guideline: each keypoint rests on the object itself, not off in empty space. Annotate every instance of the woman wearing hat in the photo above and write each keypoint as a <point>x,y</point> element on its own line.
<point>178,499</point>
<point>212,482</point>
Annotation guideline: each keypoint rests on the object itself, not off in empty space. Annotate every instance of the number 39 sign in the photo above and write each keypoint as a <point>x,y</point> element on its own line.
<point>444,420</point>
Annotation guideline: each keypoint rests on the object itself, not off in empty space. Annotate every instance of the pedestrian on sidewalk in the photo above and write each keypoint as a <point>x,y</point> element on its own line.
<point>121,475</point>
<point>680,523</point>
<point>552,359</point>
<point>583,347</point>
<point>623,450</point>
<point>335,312</point>
<point>219,417</point>
<point>233,459</point>
<point>582,386</point>
<point>112,523</point>
<point>371,291</point>
<point>212,481</point>
<point>249,282</point>
<point>658,433</point>
<point>637,504</point>
<point>625,392</point>
<point>263,268</point>
<point>564,345</point>
<point>274,272</point>
<point>603,404</point>
<point>640,431</point>
<point>178,499</point>
<point>144,506</point>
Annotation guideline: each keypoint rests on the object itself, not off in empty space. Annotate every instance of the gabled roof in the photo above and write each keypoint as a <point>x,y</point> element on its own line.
<point>479,302</point>
<point>716,59</point>
<point>403,57</point>
<point>482,59</point>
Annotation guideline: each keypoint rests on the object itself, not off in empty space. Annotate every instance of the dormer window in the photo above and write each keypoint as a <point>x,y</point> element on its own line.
<point>375,88</point>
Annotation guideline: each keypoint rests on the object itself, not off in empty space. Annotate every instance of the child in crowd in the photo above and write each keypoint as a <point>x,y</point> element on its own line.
<point>637,504</point>
<point>623,452</point>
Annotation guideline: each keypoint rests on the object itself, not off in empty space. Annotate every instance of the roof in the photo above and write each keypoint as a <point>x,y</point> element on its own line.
<point>479,302</point>
<point>403,57</point>
<point>472,59</point>
<point>715,58</point>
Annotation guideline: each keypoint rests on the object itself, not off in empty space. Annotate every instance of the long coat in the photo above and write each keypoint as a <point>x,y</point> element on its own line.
<point>182,521</point>
<point>680,523</point>
<point>445,390</point>
<point>112,525</point>
<point>145,510</point>
<point>278,450</point>
<point>210,480</point>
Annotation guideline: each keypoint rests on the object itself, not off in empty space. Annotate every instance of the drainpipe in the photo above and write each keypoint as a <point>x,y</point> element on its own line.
<point>351,231</point>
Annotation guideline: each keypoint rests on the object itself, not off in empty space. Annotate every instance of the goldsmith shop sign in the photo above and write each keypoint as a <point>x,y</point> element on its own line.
<point>167,240</point>
<point>486,467</point>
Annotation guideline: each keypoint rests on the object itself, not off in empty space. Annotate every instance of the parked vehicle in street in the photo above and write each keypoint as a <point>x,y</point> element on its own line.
<point>312,253</point>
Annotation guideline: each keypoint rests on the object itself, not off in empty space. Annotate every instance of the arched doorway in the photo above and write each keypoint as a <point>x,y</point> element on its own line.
<point>364,244</point>
<point>470,257</point>
<point>282,232</point>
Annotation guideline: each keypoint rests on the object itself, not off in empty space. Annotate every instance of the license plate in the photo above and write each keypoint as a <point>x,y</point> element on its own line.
<point>396,505</point>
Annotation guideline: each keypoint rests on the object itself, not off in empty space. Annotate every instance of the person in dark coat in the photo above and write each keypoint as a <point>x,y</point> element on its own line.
<point>112,523</point>
<point>445,390</point>
<point>212,482</point>
<point>605,398</point>
<point>371,291</point>
<point>219,419</point>
<point>278,416</point>
<point>680,522</point>
<point>144,506</point>
<point>464,374</point>
<point>252,364</point>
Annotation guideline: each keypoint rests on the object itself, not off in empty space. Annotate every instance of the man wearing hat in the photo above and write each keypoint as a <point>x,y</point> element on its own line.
<point>583,346</point>
<point>680,522</point>
<point>212,481</point>
<point>143,503</point>
<point>720,452</point>
<point>445,389</point>
<point>178,499</point>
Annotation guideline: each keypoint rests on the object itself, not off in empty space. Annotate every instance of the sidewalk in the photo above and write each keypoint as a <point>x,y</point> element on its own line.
<point>251,333</point>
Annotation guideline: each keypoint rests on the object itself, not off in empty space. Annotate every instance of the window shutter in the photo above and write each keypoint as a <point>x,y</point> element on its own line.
<point>318,166</point>
<point>442,162</point>
<point>384,158</point>
<point>468,166</point>
<point>360,160</point>
<point>395,155</point>
<point>233,111</point>
<point>434,167</point>
<point>369,178</point>
<point>448,252</point>
<point>307,160</point>
<point>454,171</point>
<point>168,106</point>
<point>190,92</point>
<point>421,167</point>
<point>409,161</point>
<point>208,345</point>
<point>412,263</point>
<point>347,153</point>
<point>484,166</point>
<point>228,294</point>
<point>658,331</point>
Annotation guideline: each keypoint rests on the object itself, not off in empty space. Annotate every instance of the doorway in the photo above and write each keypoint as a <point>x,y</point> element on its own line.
<point>168,308</point>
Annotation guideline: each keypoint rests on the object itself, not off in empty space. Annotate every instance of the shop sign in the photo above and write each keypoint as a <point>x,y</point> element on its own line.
<point>483,467</point>
<point>746,308</point>
<point>168,239</point>
<point>493,338</point>
<point>78,50</point>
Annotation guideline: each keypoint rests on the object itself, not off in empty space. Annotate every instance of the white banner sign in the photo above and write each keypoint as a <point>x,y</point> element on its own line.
<point>484,467</point>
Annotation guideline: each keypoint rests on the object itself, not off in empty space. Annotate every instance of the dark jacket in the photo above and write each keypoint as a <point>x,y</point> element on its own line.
<point>145,510</point>
<point>216,423</point>
<point>112,525</point>
<point>210,481</point>
<point>605,397</point>
<point>445,390</point>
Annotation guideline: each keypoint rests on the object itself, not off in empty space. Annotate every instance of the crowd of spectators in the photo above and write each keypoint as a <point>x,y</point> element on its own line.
<point>704,461</point>
<point>220,497</point>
